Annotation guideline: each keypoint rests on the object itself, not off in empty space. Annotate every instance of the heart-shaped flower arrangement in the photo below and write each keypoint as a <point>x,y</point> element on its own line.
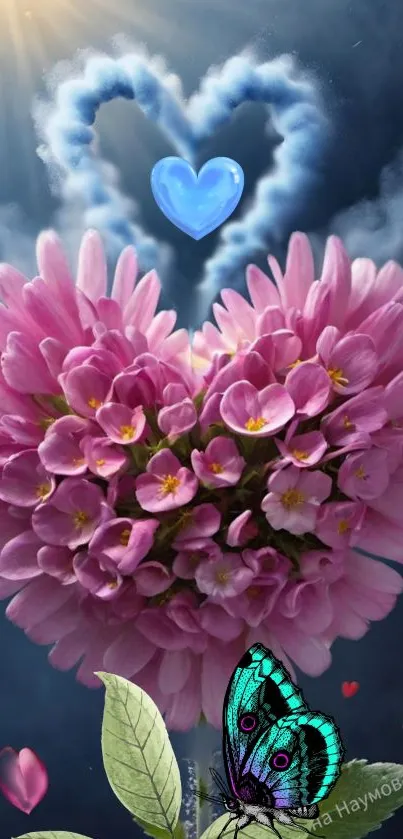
<point>165,502</point>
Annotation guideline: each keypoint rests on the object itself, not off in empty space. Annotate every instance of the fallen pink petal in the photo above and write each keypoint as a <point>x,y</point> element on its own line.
<point>23,778</point>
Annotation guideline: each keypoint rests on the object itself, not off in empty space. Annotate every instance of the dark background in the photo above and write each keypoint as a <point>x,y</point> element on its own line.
<point>355,51</point>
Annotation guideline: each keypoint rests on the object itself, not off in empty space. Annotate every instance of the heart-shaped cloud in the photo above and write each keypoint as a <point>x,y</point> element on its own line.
<point>295,111</point>
<point>23,778</point>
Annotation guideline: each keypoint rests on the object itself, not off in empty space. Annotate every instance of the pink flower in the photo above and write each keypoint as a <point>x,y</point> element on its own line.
<point>356,418</point>
<point>241,530</point>
<point>179,414</point>
<point>202,521</point>
<point>71,516</point>
<point>351,362</point>
<point>100,578</point>
<point>132,455</point>
<point>191,554</point>
<point>61,451</point>
<point>152,578</point>
<point>223,577</point>
<point>86,389</point>
<point>365,474</point>
<point>220,464</point>
<point>256,413</point>
<point>124,541</point>
<point>303,449</point>
<point>294,498</point>
<point>103,457</point>
<point>256,603</point>
<point>57,562</point>
<point>339,522</point>
<point>120,423</point>
<point>166,485</point>
<point>24,481</point>
<point>309,387</point>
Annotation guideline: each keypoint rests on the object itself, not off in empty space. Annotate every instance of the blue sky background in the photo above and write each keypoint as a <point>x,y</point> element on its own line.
<point>354,49</point>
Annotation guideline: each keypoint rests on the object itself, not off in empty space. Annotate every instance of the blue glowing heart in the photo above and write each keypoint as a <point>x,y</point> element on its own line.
<point>197,204</point>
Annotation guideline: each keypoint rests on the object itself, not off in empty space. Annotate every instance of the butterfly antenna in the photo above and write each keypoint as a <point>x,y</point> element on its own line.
<point>219,782</point>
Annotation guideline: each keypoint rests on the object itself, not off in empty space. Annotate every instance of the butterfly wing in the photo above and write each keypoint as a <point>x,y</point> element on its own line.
<point>260,686</point>
<point>313,743</point>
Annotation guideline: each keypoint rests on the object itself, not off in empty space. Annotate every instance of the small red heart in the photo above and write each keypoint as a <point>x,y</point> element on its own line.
<point>349,689</point>
<point>23,778</point>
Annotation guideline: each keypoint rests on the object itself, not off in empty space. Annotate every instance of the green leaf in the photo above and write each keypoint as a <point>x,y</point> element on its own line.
<point>52,834</point>
<point>138,757</point>
<point>157,833</point>
<point>254,831</point>
<point>364,796</point>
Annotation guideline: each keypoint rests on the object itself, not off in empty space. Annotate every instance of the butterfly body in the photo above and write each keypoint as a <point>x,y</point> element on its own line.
<point>280,757</point>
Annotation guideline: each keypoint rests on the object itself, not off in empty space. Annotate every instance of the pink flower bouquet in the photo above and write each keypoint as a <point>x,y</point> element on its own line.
<point>167,501</point>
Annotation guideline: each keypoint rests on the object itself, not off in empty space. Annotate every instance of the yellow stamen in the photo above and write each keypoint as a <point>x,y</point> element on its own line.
<point>78,461</point>
<point>299,455</point>
<point>46,422</point>
<point>360,473</point>
<point>255,424</point>
<point>294,364</point>
<point>169,484</point>
<point>343,526</point>
<point>100,462</point>
<point>347,422</point>
<point>336,375</point>
<point>113,584</point>
<point>126,432</point>
<point>124,537</point>
<point>94,403</point>
<point>80,518</point>
<point>222,576</point>
<point>292,498</point>
<point>42,490</point>
<point>216,468</point>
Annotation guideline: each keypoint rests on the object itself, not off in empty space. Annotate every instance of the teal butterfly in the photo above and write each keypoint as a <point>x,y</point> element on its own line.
<point>280,757</point>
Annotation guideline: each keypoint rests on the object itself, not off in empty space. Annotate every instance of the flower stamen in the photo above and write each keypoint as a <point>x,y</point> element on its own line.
<point>253,424</point>
<point>216,468</point>
<point>80,518</point>
<point>169,484</point>
<point>94,403</point>
<point>124,537</point>
<point>299,455</point>
<point>343,526</point>
<point>336,375</point>
<point>42,490</point>
<point>222,576</point>
<point>292,498</point>
<point>347,422</point>
<point>126,432</point>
